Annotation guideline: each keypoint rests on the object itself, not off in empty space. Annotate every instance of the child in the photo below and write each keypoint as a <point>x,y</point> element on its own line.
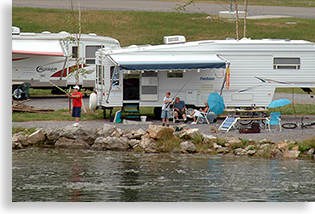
<point>166,109</point>
<point>77,104</point>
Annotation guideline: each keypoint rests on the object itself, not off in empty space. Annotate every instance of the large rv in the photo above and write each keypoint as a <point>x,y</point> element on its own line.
<point>244,72</point>
<point>38,58</point>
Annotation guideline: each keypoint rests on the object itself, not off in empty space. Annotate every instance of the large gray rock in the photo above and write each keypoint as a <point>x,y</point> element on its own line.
<point>19,138</point>
<point>52,135</point>
<point>188,146</point>
<point>79,132</point>
<point>207,138</point>
<point>148,144</point>
<point>64,142</point>
<point>107,130</point>
<point>38,137</point>
<point>233,142</point>
<point>240,151</point>
<point>189,133</point>
<point>138,134</point>
<point>158,132</point>
<point>291,154</point>
<point>111,143</point>
<point>223,150</point>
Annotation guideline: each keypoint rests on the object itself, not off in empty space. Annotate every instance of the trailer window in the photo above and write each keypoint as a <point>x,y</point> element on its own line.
<point>175,74</point>
<point>286,63</point>
<point>74,52</point>
<point>116,75</point>
<point>100,74</point>
<point>90,53</point>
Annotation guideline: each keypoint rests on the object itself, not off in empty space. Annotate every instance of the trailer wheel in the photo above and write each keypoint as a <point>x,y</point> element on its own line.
<point>17,93</point>
<point>157,112</point>
<point>104,113</point>
<point>111,115</point>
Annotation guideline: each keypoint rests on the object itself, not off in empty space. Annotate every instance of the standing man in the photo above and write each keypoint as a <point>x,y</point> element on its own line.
<point>166,109</point>
<point>179,109</point>
<point>77,104</point>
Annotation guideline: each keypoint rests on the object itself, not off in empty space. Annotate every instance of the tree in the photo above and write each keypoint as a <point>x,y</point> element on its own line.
<point>78,69</point>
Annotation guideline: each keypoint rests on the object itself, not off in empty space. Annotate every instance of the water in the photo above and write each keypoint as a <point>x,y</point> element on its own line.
<point>85,175</point>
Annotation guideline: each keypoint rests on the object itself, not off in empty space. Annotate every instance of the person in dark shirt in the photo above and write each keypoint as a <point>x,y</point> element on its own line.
<point>179,110</point>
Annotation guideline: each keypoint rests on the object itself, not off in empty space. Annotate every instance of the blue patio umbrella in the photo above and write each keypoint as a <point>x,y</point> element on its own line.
<point>278,103</point>
<point>216,103</point>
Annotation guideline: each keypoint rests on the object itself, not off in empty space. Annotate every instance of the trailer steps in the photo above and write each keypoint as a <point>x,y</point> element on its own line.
<point>132,109</point>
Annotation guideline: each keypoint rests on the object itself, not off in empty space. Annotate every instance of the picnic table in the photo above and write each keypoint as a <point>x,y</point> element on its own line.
<point>246,116</point>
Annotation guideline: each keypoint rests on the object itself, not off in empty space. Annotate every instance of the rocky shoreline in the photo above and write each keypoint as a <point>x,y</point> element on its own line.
<point>157,139</point>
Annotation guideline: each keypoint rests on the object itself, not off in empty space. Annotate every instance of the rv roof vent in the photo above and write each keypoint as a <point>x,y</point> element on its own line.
<point>63,33</point>
<point>287,40</point>
<point>27,34</point>
<point>92,34</point>
<point>133,46</point>
<point>174,39</point>
<point>229,38</point>
<point>15,30</point>
<point>46,32</point>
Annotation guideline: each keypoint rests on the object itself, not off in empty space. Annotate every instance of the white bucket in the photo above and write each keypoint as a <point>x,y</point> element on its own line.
<point>143,118</point>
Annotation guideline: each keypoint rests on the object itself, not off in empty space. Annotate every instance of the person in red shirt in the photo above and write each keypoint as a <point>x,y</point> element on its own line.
<point>77,104</point>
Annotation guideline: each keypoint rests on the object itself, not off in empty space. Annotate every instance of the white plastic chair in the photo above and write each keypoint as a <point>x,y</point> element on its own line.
<point>203,116</point>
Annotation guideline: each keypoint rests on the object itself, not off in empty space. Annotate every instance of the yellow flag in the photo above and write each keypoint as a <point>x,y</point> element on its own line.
<point>227,78</point>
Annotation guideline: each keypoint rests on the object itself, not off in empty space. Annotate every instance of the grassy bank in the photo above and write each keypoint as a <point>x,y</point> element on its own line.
<point>285,3</point>
<point>64,115</point>
<point>131,27</point>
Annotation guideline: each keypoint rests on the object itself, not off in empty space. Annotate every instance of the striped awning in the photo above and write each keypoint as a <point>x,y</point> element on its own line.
<point>167,61</point>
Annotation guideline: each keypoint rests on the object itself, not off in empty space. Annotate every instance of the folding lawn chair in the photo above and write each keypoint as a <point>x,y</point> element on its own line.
<point>274,120</point>
<point>228,123</point>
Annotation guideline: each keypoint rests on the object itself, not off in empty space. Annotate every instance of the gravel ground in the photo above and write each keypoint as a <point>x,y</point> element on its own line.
<point>286,134</point>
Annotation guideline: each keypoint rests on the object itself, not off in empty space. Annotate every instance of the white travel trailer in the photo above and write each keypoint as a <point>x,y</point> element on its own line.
<point>38,58</point>
<point>245,72</point>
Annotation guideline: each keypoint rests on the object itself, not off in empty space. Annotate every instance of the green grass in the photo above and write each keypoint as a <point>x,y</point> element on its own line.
<point>293,90</point>
<point>58,115</point>
<point>134,27</point>
<point>64,115</point>
<point>296,108</point>
<point>286,3</point>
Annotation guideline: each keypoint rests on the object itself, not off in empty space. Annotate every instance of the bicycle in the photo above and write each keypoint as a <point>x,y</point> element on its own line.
<point>298,124</point>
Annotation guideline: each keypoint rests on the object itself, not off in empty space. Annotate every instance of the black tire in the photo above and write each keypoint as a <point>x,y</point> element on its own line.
<point>289,125</point>
<point>157,112</point>
<point>104,113</point>
<point>111,115</point>
<point>245,122</point>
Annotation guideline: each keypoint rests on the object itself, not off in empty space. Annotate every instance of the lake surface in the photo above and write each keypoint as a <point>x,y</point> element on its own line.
<point>41,174</point>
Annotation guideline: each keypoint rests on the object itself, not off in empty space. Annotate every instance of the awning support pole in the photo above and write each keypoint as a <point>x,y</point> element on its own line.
<point>112,78</point>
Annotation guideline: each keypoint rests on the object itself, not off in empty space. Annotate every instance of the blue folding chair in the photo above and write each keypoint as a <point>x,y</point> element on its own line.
<point>274,120</point>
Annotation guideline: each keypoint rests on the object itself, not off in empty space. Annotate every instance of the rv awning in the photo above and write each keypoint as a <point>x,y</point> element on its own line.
<point>167,61</point>
<point>37,47</point>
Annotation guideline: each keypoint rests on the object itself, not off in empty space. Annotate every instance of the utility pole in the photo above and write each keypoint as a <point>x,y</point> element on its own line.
<point>245,6</point>
<point>236,12</point>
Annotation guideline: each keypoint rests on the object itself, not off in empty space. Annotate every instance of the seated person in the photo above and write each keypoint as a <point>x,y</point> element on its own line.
<point>196,113</point>
<point>179,109</point>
